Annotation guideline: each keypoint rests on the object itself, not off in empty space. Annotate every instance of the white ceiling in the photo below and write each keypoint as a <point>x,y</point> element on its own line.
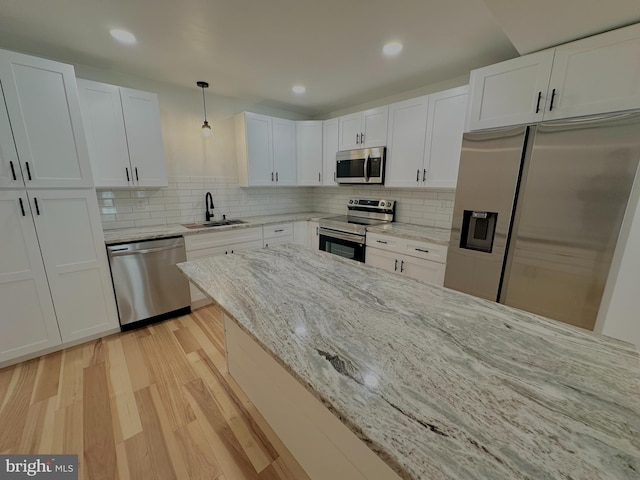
<point>259,49</point>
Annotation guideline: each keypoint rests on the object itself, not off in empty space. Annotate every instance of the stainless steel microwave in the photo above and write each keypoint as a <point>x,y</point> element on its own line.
<point>365,165</point>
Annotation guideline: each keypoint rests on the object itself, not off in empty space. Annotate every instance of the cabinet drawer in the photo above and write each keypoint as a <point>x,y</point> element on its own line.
<point>414,248</point>
<point>385,242</point>
<point>222,238</point>
<point>428,251</point>
<point>279,230</point>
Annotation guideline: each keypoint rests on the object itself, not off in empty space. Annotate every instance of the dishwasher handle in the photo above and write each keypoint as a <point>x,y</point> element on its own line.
<point>124,251</point>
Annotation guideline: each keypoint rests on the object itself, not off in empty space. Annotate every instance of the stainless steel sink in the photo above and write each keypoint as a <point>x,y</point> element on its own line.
<point>217,223</point>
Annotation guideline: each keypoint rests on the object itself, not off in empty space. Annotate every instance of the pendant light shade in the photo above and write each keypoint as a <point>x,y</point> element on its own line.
<point>206,128</point>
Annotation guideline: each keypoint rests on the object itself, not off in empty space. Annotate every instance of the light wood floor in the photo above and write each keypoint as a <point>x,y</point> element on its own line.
<point>154,403</point>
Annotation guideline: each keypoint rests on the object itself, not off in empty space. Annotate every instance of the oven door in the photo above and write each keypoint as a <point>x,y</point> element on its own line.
<point>342,244</point>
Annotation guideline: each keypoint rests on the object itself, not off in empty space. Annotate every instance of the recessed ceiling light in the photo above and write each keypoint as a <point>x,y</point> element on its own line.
<point>123,36</point>
<point>392,49</point>
<point>299,89</point>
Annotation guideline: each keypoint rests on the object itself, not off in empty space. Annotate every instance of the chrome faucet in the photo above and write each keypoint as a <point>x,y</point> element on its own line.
<point>208,204</point>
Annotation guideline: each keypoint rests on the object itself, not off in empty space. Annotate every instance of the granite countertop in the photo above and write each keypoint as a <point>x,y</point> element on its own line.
<point>441,385</point>
<point>414,232</point>
<point>134,234</point>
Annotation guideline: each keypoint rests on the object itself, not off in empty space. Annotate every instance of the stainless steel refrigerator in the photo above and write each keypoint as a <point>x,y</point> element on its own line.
<point>538,211</point>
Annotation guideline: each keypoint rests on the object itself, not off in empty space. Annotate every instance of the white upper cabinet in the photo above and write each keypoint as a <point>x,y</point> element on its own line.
<point>10,172</point>
<point>71,241</point>
<point>124,135</point>
<point>106,137</point>
<point>425,137</point>
<point>266,150</point>
<point>255,150</point>
<point>42,101</point>
<point>28,320</point>
<point>511,92</point>
<point>284,152</point>
<point>309,152</point>
<point>405,148</point>
<point>445,126</point>
<point>594,75</point>
<point>144,136</point>
<point>329,150</point>
<point>364,129</point>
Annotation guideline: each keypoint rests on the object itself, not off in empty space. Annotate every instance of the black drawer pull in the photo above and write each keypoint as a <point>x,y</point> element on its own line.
<point>402,266</point>
<point>382,241</point>
<point>279,230</point>
<point>13,171</point>
<point>395,266</point>
<point>424,250</point>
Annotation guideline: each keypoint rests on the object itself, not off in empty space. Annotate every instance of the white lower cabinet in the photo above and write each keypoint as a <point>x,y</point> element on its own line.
<point>278,234</point>
<point>301,233</point>
<point>314,235</point>
<point>416,259</point>
<point>54,277</point>
<point>28,320</point>
<point>225,242</point>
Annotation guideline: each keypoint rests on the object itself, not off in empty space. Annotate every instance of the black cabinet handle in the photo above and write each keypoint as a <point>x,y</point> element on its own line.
<point>22,207</point>
<point>538,104</point>
<point>137,179</point>
<point>417,175</point>
<point>395,266</point>
<point>279,230</point>
<point>231,251</point>
<point>28,170</point>
<point>424,250</point>
<point>35,202</point>
<point>334,176</point>
<point>553,95</point>
<point>272,176</point>
<point>424,175</point>
<point>381,241</point>
<point>276,176</point>
<point>362,138</point>
<point>127,170</point>
<point>402,266</point>
<point>318,177</point>
<point>357,138</point>
<point>13,171</point>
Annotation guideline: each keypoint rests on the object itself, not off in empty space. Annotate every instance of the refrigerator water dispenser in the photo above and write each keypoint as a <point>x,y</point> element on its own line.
<point>478,230</point>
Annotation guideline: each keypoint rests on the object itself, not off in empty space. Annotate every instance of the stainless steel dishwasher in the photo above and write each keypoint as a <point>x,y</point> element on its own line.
<point>146,281</point>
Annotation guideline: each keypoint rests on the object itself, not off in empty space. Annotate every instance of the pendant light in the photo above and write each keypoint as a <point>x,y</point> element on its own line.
<point>206,129</point>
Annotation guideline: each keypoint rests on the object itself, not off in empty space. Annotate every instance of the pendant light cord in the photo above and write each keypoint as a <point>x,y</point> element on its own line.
<point>204,103</point>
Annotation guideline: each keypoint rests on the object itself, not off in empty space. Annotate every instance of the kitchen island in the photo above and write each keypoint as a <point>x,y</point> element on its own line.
<point>439,384</point>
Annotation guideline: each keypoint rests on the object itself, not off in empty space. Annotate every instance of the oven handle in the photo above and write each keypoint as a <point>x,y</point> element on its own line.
<point>342,236</point>
<point>366,168</point>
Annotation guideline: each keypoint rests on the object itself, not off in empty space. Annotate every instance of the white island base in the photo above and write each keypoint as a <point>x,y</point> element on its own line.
<point>324,447</point>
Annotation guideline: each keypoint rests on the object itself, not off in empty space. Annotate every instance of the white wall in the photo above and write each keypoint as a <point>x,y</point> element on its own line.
<point>619,314</point>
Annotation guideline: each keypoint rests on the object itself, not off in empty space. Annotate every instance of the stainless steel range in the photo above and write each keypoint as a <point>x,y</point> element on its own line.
<point>344,235</point>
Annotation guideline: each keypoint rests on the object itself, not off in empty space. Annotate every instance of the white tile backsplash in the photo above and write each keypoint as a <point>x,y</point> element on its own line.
<point>418,206</point>
<point>183,202</point>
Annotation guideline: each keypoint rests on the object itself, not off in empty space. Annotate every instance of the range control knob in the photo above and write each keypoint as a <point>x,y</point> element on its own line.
<point>350,201</point>
<point>382,204</point>
<point>355,201</point>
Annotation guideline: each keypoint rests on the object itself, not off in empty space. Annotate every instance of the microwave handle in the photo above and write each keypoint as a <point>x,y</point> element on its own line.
<point>366,168</point>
